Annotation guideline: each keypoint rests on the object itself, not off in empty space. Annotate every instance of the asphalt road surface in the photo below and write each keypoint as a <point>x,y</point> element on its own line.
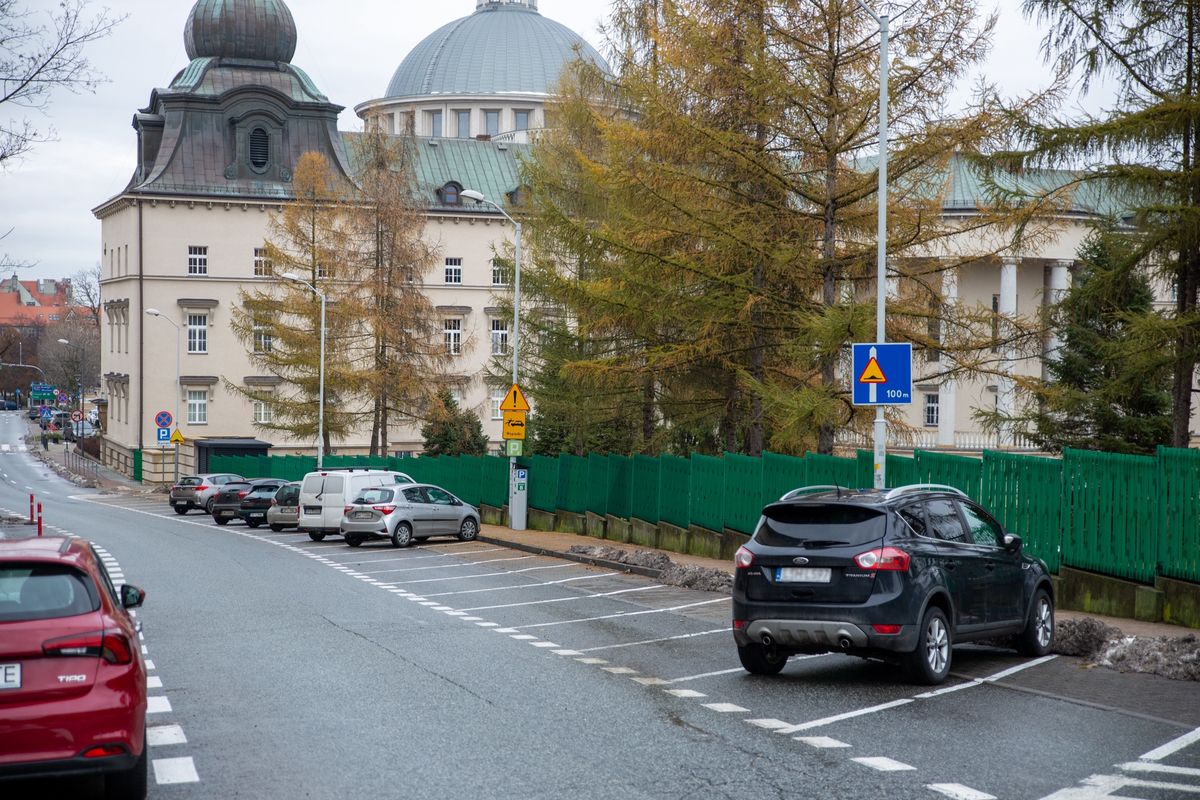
<point>292,669</point>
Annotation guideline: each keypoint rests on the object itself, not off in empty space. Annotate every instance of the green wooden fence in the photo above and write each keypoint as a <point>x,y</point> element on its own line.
<point>1133,517</point>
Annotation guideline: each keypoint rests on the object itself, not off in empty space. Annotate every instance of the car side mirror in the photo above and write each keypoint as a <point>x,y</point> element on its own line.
<point>132,596</point>
<point>1012,543</point>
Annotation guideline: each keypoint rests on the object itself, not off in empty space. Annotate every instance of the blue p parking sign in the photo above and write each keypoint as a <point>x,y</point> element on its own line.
<point>164,435</point>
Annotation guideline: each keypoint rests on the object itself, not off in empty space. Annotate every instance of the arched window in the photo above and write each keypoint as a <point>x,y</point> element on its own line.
<point>450,194</point>
<point>260,149</point>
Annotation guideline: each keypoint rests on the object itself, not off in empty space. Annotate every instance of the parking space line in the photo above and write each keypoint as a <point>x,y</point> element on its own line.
<point>820,742</point>
<point>527,585</point>
<point>653,641</point>
<point>705,675</point>
<point>685,693</point>
<point>726,708</point>
<point>1153,766</point>
<point>956,791</point>
<point>818,723</point>
<point>175,770</point>
<point>1172,747</point>
<point>448,566</point>
<point>1018,668</point>
<point>883,764</point>
<point>476,577</point>
<point>626,614</point>
<point>566,599</point>
<point>161,735</point>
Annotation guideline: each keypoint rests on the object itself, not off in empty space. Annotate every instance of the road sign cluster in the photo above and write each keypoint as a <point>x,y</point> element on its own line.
<point>515,407</point>
<point>163,421</point>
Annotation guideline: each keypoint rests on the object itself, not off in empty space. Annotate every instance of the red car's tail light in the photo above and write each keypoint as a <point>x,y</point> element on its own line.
<point>385,510</point>
<point>104,751</point>
<point>201,488</point>
<point>347,509</point>
<point>743,558</point>
<point>112,646</point>
<point>883,559</point>
<point>242,495</point>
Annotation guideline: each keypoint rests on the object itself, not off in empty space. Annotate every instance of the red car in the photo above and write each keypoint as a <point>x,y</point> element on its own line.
<point>72,679</point>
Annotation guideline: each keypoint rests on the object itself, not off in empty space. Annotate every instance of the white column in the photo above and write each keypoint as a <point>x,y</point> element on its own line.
<point>947,401</point>
<point>1060,283</point>
<point>1005,401</point>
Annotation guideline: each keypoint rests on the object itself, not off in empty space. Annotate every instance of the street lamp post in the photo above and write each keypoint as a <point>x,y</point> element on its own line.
<point>154,312</point>
<point>79,384</point>
<point>516,516</point>
<point>294,278</point>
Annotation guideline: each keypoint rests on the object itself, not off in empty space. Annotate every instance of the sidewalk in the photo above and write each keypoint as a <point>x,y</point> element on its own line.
<point>56,457</point>
<point>556,544</point>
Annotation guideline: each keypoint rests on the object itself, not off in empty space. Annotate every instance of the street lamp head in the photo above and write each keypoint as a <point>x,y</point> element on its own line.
<point>290,276</point>
<point>154,312</point>
<point>471,194</point>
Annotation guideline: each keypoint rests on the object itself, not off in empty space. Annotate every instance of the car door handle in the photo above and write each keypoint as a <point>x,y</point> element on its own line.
<point>950,564</point>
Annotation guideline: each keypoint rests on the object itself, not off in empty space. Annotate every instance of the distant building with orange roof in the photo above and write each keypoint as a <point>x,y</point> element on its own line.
<point>44,301</point>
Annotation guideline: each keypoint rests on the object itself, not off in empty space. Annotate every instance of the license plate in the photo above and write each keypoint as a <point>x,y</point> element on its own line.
<point>290,512</point>
<point>10,676</point>
<point>312,509</point>
<point>226,513</point>
<point>181,502</point>
<point>255,515</point>
<point>803,574</point>
<point>363,515</point>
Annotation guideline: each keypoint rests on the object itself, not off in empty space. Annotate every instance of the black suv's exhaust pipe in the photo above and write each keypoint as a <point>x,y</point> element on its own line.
<point>844,642</point>
<point>767,640</point>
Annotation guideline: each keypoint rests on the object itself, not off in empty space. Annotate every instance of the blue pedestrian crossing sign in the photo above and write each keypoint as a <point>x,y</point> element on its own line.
<point>882,374</point>
<point>164,435</point>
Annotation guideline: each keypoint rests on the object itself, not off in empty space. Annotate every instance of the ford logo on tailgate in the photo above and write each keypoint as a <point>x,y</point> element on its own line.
<point>801,560</point>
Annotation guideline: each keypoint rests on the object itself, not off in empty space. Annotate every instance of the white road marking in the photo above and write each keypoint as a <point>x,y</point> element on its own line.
<point>566,599</point>
<point>523,637</point>
<point>1096,787</point>
<point>769,724</point>
<point>165,734</point>
<point>649,681</point>
<point>471,619</point>
<point>706,675</point>
<point>686,693</point>
<point>883,764</point>
<point>654,641</point>
<point>153,682</point>
<point>448,566</point>
<point>507,630</point>
<point>567,653</point>
<point>483,575</point>
<point>948,689</point>
<point>817,723</point>
<point>620,670</point>
<point>544,644</point>
<point>956,791</point>
<point>726,708</point>
<point>1018,668</point>
<point>149,664</point>
<point>820,742</point>
<point>487,624</point>
<point>1152,766</point>
<point>591,661</point>
<point>627,614</point>
<point>528,585</point>
<point>175,770</point>
<point>157,705</point>
<point>1171,747</point>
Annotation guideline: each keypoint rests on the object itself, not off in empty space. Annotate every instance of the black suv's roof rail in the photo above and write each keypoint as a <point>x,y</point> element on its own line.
<point>806,489</point>
<point>923,487</point>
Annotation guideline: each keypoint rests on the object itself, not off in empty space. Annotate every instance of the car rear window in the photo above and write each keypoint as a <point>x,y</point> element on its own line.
<point>44,591</point>
<point>190,481</point>
<point>786,525</point>
<point>313,483</point>
<point>286,493</point>
<point>369,496</point>
<point>267,491</point>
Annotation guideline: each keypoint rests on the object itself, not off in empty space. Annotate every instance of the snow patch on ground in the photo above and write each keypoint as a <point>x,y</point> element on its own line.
<point>672,574</point>
<point>1174,657</point>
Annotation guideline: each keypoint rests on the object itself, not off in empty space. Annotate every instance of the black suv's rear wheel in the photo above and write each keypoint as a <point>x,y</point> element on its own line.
<point>1038,636</point>
<point>758,659</point>
<point>930,662</point>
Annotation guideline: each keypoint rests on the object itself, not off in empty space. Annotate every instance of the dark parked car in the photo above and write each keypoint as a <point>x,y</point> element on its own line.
<point>227,504</point>
<point>255,505</point>
<point>904,574</point>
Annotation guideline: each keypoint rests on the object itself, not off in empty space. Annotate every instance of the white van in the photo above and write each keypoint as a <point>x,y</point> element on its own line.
<point>324,495</point>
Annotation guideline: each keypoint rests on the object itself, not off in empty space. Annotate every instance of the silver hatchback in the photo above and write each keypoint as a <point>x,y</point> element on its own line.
<point>406,512</point>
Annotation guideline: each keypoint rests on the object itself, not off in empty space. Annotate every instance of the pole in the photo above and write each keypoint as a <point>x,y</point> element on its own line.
<point>880,462</point>
<point>39,519</point>
<point>31,517</point>
<point>178,392</point>
<point>321,389</point>
<point>517,521</point>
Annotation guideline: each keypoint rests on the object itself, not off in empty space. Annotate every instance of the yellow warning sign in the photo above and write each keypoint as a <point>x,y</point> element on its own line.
<point>873,373</point>
<point>514,425</point>
<point>177,437</point>
<point>515,400</point>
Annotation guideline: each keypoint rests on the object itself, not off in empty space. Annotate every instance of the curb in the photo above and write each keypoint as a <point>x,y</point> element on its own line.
<point>647,572</point>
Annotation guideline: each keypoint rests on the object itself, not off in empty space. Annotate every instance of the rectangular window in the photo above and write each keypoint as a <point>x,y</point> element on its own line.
<point>262,412</point>
<point>492,123</point>
<point>262,265</point>
<point>197,333</point>
<point>452,329</point>
<point>495,399</point>
<point>197,406</point>
<point>499,337</point>
<point>499,273</point>
<point>931,410</point>
<point>435,124</point>
<point>197,260</point>
<point>453,270</point>
<point>464,124</point>
<point>264,342</point>
<point>521,120</point>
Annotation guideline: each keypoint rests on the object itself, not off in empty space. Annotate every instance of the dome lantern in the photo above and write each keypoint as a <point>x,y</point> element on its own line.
<point>530,4</point>
<point>258,30</point>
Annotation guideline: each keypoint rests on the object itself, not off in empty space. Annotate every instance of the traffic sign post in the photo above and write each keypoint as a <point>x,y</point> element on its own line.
<point>514,403</point>
<point>514,425</point>
<point>882,374</point>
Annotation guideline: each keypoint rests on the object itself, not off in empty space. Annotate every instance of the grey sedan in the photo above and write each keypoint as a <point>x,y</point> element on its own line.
<point>198,491</point>
<point>406,512</point>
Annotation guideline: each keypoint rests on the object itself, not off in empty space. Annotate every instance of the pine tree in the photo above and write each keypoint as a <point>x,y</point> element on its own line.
<point>1106,390</point>
<point>451,431</point>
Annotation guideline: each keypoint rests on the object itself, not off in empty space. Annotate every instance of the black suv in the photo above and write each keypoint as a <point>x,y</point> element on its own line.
<point>902,573</point>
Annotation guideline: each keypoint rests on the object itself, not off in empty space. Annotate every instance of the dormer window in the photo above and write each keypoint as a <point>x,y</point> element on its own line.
<point>260,149</point>
<point>451,194</point>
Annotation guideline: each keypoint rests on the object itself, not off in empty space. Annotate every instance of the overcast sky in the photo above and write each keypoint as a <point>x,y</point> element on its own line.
<point>350,49</point>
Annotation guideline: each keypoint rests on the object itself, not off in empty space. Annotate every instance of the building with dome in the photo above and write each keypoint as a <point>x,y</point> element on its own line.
<point>487,75</point>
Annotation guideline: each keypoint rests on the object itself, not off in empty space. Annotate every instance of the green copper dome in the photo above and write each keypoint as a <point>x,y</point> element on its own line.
<point>260,30</point>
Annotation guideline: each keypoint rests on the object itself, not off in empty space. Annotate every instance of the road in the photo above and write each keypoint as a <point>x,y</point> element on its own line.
<point>287,668</point>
